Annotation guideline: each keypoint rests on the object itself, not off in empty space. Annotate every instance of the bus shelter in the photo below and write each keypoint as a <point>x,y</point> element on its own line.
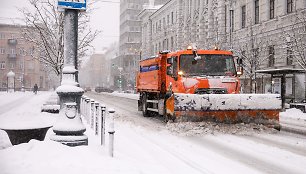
<point>281,73</point>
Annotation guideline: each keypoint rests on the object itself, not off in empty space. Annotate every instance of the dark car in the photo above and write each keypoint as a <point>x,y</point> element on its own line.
<point>103,89</point>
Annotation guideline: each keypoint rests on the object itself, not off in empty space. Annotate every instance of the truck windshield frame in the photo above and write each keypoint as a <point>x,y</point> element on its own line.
<point>208,65</point>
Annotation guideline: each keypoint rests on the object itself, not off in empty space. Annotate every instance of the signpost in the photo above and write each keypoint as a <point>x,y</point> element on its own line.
<point>72,4</point>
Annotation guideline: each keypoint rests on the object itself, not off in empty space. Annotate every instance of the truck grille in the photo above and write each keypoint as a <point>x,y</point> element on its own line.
<point>211,91</point>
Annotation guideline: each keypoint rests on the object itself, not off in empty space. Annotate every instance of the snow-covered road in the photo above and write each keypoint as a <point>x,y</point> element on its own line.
<point>248,148</point>
<point>149,145</point>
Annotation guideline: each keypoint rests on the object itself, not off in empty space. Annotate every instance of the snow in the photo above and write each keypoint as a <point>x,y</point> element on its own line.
<point>125,95</point>
<point>189,82</point>
<point>64,88</point>
<point>227,101</point>
<point>142,150</point>
<point>69,69</point>
<point>23,116</point>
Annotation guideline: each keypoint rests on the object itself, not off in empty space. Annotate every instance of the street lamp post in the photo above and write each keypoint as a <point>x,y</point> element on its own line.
<point>69,128</point>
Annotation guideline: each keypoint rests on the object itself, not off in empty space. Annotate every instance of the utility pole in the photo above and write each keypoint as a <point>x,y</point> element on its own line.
<point>69,128</point>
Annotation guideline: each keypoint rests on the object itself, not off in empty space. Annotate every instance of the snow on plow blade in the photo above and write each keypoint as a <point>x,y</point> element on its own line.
<point>226,108</point>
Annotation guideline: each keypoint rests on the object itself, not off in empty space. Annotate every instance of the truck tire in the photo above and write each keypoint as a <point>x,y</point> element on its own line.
<point>145,111</point>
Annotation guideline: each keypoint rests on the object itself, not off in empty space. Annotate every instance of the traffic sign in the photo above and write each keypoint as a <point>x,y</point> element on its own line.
<point>72,4</point>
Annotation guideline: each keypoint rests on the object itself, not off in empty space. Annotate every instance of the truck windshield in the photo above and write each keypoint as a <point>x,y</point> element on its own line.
<point>208,65</point>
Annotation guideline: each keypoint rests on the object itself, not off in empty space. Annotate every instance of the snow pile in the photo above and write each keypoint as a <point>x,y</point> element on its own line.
<point>206,128</point>
<point>49,157</point>
<point>293,113</point>
<point>22,110</point>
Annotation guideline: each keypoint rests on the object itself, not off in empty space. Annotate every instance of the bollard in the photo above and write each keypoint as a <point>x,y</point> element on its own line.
<point>111,132</point>
<point>103,108</point>
<point>82,105</point>
<point>92,113</point>
<point>97,117</point>
<point>87,109</point>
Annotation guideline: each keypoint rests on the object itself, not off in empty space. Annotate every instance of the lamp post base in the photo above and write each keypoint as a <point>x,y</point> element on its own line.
<point>71,140</point>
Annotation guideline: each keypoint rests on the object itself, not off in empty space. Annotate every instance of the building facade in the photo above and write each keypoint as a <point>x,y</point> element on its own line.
<point>98,71</point>
<point>261,32</point>
<point>16,55</point>
<point>130,38</point>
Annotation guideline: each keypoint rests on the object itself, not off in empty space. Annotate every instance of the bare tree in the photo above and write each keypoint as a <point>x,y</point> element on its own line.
<point>253,55</point>
<point>295,38</point>
<point>45,28</point>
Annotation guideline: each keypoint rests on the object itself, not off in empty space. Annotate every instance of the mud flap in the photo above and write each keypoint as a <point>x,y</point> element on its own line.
<point>139,105</point>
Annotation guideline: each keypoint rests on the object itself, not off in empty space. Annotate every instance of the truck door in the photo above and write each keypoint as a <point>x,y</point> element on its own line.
<point>172,76</point>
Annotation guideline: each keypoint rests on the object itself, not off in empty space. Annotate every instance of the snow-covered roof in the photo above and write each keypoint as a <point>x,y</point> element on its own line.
<point>285,70</point>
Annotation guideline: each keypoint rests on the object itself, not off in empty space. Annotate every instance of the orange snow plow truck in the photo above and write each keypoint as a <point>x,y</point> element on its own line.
<point>197,85</point>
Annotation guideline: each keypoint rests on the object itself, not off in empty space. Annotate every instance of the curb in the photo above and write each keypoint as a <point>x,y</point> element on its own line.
<point>293,130</point>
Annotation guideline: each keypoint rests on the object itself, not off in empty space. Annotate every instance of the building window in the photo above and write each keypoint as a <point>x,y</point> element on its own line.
<point>231,20</point>
<point>13,51</point>
<point>289,56</point>
<point>2,36</point>
<point>172,18</point>
<point>289,51</point>
<point>256,11</point>
<point>2,50</point>
<point>12,65</point>
<point>243,16</point>
<point>21,65</point>
<point>22,51</point>
<point>2,65</point>
<point>168,19</point>
<point>31,51</point>
<point>271,56</point>
<point>256,54</point>
<point>289,6</point>
<point>172,43</point>
<point>156,29</point>
<point>272,9</point>
<point>225,17</point>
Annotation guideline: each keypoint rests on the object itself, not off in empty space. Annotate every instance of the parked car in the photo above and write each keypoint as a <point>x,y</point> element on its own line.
<point>103,89</point>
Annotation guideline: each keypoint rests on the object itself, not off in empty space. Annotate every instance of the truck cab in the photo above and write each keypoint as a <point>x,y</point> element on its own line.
<point>203,72</point>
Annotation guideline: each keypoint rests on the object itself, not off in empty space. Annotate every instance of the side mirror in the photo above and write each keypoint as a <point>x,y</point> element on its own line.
<point>170,70</point>
<point>170,61</point>
<point>239,71</point>
<point>239,61</point>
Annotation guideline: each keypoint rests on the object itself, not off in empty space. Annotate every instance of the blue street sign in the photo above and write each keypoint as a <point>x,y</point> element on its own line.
<point>72,4</point>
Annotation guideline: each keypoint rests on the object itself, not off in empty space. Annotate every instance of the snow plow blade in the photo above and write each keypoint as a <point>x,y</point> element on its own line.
<point>225,108</point>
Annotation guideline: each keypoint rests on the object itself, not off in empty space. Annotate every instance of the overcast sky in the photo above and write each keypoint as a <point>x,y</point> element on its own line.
<point>104,18</point>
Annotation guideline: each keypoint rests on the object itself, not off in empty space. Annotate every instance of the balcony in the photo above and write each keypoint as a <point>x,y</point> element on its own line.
<point>12,56</point>
<point>12,41</point>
